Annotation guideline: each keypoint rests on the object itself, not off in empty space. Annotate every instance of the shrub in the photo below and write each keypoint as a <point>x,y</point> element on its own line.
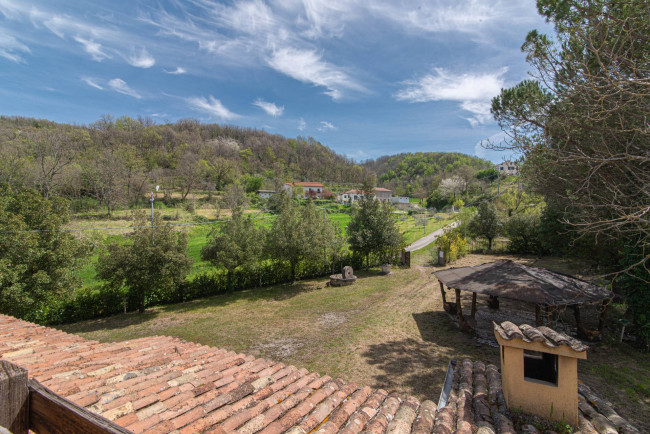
<point>454,244</point>
<point>523,233</point>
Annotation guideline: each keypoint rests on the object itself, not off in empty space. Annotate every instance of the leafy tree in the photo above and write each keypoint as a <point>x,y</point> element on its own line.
<point>302,233</point>
<point>252,183</point>
<point>490,174</point>
<point>582,124</point>
<point>486,223</point>
<point>450,187</point>
<point>523,233</point>
<point>236,243</point>
<point>373,229</point>
<point>234,197</point>
<point>437,200</point>
<point>35,267</point>
<point>154,260</point>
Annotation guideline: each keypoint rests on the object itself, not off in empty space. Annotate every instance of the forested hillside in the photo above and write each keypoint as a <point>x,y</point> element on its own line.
<point>418,174</point>
<point>115,160</point>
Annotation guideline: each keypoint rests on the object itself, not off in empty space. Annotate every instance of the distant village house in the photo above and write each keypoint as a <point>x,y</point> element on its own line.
<point>265,194</point>
<point>351,196</point>
<point>310,189</point>
<point>508,168</point>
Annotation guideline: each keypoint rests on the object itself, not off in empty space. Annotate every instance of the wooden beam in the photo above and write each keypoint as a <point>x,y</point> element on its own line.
<point>51,413</point>
<point>442,292</point>
<point>603,314</point>
<point>459,309</point>
<point>473,305</point>
<point>538,315</point>
<point>14,398</point>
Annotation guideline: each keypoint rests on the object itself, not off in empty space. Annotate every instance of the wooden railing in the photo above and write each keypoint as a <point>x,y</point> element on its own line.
<point>25,404</point>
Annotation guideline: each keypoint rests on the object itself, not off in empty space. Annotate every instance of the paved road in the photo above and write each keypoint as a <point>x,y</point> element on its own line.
<point>428,239</point>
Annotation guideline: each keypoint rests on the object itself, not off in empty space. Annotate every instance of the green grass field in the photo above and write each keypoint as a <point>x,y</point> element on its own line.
<point>118,226</point>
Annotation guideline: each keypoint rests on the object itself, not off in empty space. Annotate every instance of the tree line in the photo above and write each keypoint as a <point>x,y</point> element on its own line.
<point>150,266</point>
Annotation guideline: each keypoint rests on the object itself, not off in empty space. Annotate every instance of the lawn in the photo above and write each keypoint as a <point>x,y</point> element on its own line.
<point>385,331</point>
<point>119,224</point>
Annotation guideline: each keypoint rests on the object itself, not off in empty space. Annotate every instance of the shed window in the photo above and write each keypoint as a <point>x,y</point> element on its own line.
<point>540,367</point>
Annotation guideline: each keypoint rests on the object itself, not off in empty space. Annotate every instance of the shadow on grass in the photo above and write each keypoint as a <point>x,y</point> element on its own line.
<point>418,366</point>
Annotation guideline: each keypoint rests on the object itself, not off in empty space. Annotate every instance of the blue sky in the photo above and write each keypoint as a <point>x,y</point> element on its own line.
<point>364,77</point>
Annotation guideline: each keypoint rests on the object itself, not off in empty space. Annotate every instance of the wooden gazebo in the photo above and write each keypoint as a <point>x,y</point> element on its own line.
<point>546,289</point>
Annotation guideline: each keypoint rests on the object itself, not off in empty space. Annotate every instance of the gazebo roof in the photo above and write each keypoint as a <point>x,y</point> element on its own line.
<point>516,281</point>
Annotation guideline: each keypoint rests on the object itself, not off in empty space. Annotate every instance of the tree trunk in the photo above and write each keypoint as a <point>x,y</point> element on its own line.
<point>141,302</point>
<point>229,280</point>
<point>293,272</point>
<point>367,261</point>
<point>489,243</point>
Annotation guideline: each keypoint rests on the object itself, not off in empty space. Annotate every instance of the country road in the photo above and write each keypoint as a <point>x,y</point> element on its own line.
<point>430,238</point>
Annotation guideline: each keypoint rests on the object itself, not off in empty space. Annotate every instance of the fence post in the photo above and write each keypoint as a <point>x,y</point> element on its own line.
<point>14,398</point>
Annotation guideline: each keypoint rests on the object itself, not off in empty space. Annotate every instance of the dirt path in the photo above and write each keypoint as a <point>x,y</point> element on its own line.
<point>430,238</point>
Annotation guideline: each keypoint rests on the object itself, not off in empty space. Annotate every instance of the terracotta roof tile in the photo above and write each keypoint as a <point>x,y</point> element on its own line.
<point>163,384</point>
<point>545,335</point>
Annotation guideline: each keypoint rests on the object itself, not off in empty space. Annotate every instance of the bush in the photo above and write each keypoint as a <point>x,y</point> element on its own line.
<point>454,244</point>
<point>523,233</point>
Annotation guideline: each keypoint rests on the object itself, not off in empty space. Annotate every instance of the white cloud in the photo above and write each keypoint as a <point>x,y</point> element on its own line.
<point>141,58</point>
<point>442,85</point>
<point>177,71</point>
<point>302,124</point>
<point>91,82</point>
<point>212,106</point>
<point>93,48</point>
<point>269,107</point>
<point>10,48</point>
<point>120,86</point>
<point>327,126</point>
<point>309,67</point>
<point>474,91</point>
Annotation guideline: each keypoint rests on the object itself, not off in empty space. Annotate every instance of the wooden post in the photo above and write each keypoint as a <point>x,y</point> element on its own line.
<point>473,305</point>
<point>603,315</point>
<point>442,292</point>
<point>538,315</point>
<point>459,309</point>
<point>14,398</point>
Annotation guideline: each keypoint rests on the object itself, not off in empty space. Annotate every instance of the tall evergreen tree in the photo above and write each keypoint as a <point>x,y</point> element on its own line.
<point>373,229</point>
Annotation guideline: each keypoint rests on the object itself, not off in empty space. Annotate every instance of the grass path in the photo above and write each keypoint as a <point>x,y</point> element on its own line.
<point>385,331</point>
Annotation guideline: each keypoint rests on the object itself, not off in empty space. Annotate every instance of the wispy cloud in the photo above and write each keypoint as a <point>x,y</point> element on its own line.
<point>178,71</point>
<point>269,107</point>
<point>91,82</point>
<point>10,48</point>
<point>120,86</point>
<point>473,91</point>
<point>211,106</point>
<point>141,58</point>
<point>302,124</point>
<point>327,126</point>
<point>308,66</point>
<point>93,48</point>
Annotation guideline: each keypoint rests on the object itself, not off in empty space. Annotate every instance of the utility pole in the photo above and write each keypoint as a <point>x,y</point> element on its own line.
<point>151,199</point>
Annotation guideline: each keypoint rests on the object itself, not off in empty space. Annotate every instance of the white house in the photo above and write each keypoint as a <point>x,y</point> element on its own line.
<point>507,168</point>
<point>265,194</point>
<point>400,199</point>
<point>351,196</point>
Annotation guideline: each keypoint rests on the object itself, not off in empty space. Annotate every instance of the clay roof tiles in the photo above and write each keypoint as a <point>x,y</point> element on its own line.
<point>165,384</point>
<point>543,334</point>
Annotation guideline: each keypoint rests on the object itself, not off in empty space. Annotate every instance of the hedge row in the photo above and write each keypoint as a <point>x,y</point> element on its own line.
<point>101,301</point>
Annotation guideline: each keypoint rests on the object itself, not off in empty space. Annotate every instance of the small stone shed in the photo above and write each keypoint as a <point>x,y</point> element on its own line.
<point>547,290</point>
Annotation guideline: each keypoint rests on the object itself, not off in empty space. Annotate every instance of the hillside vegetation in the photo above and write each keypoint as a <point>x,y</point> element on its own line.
<point>416,174</point>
